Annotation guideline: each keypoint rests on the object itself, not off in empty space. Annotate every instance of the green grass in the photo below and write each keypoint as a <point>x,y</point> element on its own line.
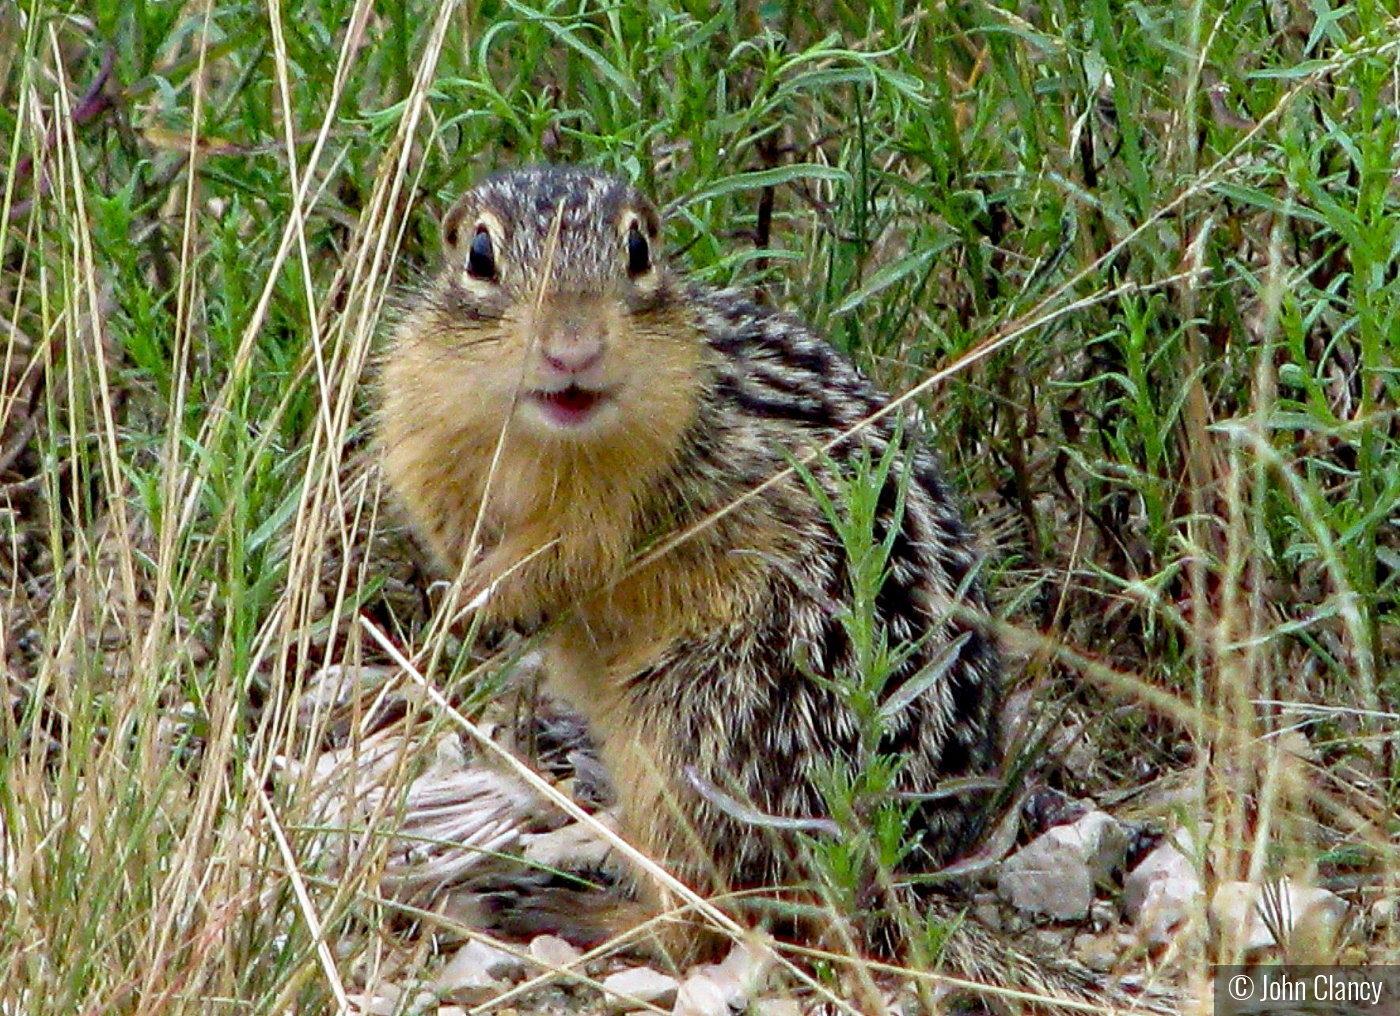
<point>1157,243</point>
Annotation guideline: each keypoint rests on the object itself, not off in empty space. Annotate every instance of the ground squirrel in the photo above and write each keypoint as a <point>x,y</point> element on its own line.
<point>559,406</point>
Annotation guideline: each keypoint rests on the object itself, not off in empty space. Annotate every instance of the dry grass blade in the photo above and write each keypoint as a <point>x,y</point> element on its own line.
<point>308,908</point>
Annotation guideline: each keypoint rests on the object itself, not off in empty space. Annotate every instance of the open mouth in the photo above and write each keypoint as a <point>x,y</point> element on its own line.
<point>569,406</point>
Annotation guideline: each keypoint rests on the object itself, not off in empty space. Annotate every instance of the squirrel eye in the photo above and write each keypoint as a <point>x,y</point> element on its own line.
<point>638,252</point>
<point>481,259</point>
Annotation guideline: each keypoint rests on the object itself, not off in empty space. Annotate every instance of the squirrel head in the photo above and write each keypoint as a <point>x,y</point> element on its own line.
<point>555,296</point>
<point>560,229</point>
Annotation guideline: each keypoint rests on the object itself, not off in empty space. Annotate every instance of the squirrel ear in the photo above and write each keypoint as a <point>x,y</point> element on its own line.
<point>452,223</point>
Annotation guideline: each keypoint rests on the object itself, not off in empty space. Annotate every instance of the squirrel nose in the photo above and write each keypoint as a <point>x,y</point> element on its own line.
<point>573,357</point>
<point>573,347</point>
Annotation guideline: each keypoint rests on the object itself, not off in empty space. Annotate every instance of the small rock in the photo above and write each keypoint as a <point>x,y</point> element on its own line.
<point>743,971</point>
<point>466,979</point>
<point>1170,909</point>
<point>778,1007</point>
<point>1307,916</point>
<point>699,995</point>
<point>987,911</point>
<point>1383,913</point>
<point>552,951</point>
<point>640,984</point>
<point>1056,874</point>
<point>739,976</point>
<point>1097,952</point>
<point>1048,941</point>
<point>1103,915</point>
<point>1170,859</point>
<point>383,1002</point>
<point>1043,879</point>
<point>1105,843</point>
<point>494,962</point>
<point>1163,895</point>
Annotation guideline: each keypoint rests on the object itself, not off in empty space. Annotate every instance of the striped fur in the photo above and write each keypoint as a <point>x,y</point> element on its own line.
<point>691,654</point>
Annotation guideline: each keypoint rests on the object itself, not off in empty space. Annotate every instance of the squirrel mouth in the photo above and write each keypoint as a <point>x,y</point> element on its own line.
<point>568,407</point>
